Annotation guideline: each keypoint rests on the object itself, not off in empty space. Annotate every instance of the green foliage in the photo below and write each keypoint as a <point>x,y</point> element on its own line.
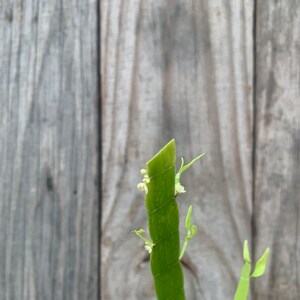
<point>261,264</point>
<point>178,187</point>
<point>191,230</point>
<point>148,244</point>
<point>244,282</point>
<point>161,186</point>
<point>163,221</point>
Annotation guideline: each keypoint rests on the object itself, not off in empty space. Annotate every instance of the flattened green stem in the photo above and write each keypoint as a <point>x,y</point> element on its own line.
<point>191,230</point>
<point>158,183</point>
<point>243,286</point>
<point>244,282</point>
<point>163,221</point>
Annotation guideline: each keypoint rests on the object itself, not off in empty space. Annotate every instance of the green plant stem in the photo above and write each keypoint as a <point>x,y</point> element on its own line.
<point>243,285</point>
<point>163,221</point>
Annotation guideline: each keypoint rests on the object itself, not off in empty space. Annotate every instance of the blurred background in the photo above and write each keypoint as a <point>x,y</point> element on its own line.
<point>91,90</point>
<point>221,77</point>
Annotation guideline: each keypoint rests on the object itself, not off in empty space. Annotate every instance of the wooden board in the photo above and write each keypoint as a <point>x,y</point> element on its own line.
<point>49,150</point>
<point>277,180</point>
<point>179,69</point>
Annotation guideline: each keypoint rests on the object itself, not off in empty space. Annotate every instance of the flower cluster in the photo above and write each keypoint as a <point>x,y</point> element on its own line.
<point>142,186</point>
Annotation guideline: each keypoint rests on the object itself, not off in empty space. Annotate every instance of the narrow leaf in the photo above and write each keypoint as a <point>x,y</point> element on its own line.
<point>188,218</point>
<point>194,230</point>
<point>246,254</point>
<point>183,168</point>
<point>260,265</point>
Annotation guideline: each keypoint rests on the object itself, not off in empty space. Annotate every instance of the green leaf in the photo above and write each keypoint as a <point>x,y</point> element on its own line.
<point>194,230</point>
<point>178,187</point>
<point>184,168</point>
<point>191,230</point>
<point>188,218</point>
<point>244,282</point>
<point>148,244</point>
<point>260,265</point>
<point>246,254</point>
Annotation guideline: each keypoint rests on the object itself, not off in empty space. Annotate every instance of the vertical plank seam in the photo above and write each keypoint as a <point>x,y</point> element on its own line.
<point>297,226</point>
<point>99,160</point>
<point>254,130</point>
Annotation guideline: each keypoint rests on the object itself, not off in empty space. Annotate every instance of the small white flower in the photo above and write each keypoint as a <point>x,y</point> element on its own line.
<point>143,171</point>
<point>148,248</point>
<point>146,179</point>
<point>142,187</point>
<point>148,244</point>
<point>179,189</point>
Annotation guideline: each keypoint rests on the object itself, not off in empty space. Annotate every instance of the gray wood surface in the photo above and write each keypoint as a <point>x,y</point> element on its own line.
<point>218,76</point>
<point>277,176</point>
<point>181,69</point>
<point>49,237</point>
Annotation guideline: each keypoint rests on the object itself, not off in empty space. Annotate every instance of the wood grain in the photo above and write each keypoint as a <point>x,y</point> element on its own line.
<point>181,69</point>
<point>277,180</point>
<point>49,150</point>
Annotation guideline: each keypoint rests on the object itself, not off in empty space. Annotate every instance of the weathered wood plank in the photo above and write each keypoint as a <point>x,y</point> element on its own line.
<point>178,69</point>
<point>48,150</point>
<point>277,180</point>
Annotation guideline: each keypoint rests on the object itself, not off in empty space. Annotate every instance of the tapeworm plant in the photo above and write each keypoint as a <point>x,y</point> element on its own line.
<point>260,266</point>
<point>161,186</point>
